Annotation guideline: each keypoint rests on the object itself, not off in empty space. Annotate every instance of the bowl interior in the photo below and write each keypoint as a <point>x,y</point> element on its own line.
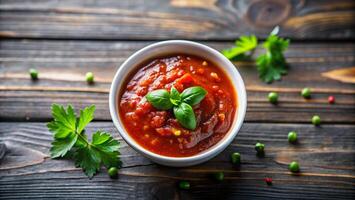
<point>179,47</point>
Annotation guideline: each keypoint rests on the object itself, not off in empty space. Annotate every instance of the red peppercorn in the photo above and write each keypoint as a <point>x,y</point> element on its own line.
<point>268,181</point>
<point>331,99</point>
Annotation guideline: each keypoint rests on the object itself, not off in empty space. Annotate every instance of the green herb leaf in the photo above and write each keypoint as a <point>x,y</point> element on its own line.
<point>275,44</point>
<point>64,121</point>
<point>69,132</point>
<point>185,116</point>
<point>60,147</point>
<point>270,69</point>
<point>272,64</point>
<point>108,148</point>
<point>160,99</point>
<point>86,116</point>
<point>82,140</point>
<point>245,44</point>
<point>88,158</point>
<point>193,95</point>
<point>102,150</point>
<point>175,98</point>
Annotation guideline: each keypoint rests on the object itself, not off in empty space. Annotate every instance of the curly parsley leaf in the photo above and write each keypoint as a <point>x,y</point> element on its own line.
<point>272,65</point>
<point>244,45</point>
<point>70,138</point>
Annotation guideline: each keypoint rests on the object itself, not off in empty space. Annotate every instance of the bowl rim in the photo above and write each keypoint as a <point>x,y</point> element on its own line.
<point>210,152</point>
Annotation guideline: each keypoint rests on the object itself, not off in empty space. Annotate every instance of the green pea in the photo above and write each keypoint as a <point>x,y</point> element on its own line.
<point>34,74</point>
<point>218,176</point>
<point>316,120</point>
<point>273,96</point>
<point>235,157</point>
<point>185,185</point>
<point>294,167</point>
<point>112,172</point>
<point>89,77</point>
<point>306,93</point>
<point>259,147</point>
<point>292,137</point>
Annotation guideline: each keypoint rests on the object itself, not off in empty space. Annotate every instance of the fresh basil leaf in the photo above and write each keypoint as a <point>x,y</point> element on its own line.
<point>193,95</point>
<point>175,96</point>
<point>160,99</point>
<point>185,116</point>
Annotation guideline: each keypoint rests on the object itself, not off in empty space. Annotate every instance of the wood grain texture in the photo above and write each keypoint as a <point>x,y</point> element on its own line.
<point>62,66</point>
<point>346,75</point>
<point>326,156</point>
<point>160,19</point>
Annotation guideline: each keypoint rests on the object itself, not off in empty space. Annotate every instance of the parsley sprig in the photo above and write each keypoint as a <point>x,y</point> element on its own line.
<point>70,140</point>
<point>244,47</point>
<point>271,65</point>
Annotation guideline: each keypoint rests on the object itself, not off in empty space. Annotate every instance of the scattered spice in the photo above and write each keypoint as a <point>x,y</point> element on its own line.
<point>306,93</point>
<point>292,137</point>
<point>268,181</point>
<point>273,96</point>
<point>294,167</point>
<point>90,77</point>
<point>235,158</point>
<point>218,176</point>
<point>316,120</point>
<point>259,147</point>
<point>331,99</point>
<point>33,74</point>
<point>185,185</point>
<point>113,172</point>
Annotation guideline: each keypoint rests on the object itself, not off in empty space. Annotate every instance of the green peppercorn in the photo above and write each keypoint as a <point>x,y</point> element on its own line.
<point>89,77</point>
<point>259,147</point>
<point>235,157</point>
<point>34,74</point>
<point>218,176</point>
<point>185,185</point>
<point>306,93</point>
<point>112,172</point>
<point>292,137</point>
<point>294,167</point>
<point>316,120</point>
<point>273,96</point>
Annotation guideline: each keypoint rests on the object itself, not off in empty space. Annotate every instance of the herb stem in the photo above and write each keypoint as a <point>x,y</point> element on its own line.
<point>83,138</point>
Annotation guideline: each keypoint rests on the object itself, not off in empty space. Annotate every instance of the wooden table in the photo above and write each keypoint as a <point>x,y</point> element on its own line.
<point>65,39</point>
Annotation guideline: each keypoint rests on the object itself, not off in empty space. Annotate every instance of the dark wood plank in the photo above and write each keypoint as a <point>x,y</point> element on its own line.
<point>63,64</point>
<point>159,19</point>
<point>326,156</point>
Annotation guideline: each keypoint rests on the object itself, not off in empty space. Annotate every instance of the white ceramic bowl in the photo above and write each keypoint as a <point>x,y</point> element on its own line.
<point>176,47</point>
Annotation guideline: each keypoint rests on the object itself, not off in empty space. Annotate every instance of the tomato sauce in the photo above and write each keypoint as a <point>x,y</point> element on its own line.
<point>158,131</point>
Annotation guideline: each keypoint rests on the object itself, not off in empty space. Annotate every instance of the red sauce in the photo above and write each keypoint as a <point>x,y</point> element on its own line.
<point>158,131</point>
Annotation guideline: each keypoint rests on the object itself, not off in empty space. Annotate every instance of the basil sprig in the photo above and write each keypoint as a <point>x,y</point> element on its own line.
<point>160,99</point>
<point>181,103</point>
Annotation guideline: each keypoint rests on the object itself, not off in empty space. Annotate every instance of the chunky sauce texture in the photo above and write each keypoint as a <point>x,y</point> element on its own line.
<point>158,131</point>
